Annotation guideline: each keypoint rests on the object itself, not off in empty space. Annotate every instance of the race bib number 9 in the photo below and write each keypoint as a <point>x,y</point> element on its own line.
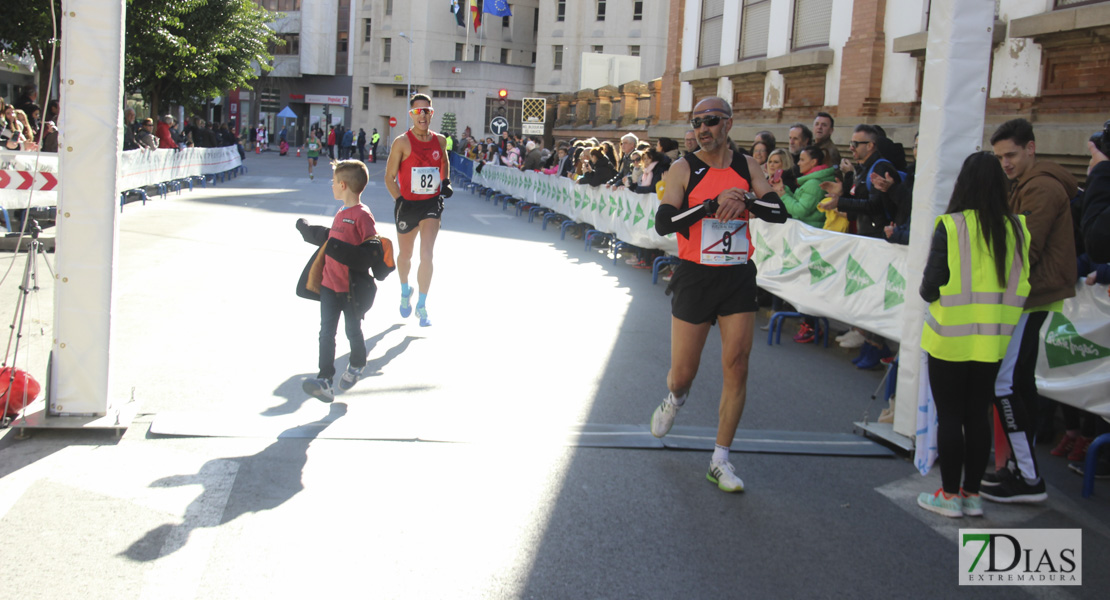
<point>724,243</point>
<point>424,180</point>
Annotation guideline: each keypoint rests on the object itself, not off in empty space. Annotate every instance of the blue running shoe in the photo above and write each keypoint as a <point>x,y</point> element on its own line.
<point>423,314</point>
<point>406,308</point>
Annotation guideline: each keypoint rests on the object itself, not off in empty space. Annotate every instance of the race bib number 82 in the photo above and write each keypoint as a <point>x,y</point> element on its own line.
<point>424,180</point>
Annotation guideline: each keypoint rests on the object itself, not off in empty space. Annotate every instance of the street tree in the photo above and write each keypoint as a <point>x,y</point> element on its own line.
<point>26,28</point>
<point>189,50</point>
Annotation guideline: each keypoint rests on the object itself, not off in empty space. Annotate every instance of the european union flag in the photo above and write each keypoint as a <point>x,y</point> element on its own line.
<point>498,8</point>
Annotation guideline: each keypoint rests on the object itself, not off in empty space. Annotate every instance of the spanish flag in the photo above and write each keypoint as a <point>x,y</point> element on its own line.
<point>476,13</point>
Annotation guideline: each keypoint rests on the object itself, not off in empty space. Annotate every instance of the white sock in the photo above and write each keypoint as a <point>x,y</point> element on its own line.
<point>678,400</point>
<point>720,453</point>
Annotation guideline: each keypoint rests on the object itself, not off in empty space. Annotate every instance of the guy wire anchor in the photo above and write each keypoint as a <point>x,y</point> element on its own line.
<point>28,284</point>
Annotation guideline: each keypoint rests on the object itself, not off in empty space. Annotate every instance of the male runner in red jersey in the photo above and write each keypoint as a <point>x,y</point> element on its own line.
<point>708,200</point>
<point>416,175</point>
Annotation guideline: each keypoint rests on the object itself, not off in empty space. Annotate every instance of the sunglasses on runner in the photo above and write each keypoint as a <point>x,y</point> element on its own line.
<point>707,121</point>
<point>423,109</point>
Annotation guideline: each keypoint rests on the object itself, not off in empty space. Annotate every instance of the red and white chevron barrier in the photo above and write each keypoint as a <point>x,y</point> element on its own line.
<point>27,180</point>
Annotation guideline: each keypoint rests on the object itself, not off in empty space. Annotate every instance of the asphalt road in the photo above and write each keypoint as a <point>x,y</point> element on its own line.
<point>275,495</point>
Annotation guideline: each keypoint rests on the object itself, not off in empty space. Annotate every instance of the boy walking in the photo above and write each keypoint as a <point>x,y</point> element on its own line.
<point>338,275</point>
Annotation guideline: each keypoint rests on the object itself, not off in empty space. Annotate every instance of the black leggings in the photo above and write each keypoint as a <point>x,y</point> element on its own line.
<point>962,392</point>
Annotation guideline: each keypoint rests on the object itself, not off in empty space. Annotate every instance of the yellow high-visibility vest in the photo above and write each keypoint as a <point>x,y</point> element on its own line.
<point>975,315</point>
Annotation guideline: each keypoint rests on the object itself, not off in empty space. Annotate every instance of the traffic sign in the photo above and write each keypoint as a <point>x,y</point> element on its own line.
<point>499,125</point>
<point>534,112</point>
<point>392,121</point>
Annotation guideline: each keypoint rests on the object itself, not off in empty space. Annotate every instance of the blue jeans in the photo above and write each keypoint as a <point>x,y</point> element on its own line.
<point>332,304</point>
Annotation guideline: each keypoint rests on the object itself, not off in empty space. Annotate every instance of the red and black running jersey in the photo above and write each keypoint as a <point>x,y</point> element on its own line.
<point>422,170</point>
<point>710,242</point>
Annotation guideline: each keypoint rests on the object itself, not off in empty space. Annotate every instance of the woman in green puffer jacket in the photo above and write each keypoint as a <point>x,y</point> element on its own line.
<point>802,202</point>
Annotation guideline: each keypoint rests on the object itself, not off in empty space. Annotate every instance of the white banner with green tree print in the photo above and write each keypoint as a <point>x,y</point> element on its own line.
<point>849,278</point>
<point>630,217</point>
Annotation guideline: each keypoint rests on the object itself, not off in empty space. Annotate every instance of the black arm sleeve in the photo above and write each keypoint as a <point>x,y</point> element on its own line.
<point>936,266</point>
<point>668,220</point>
<point>769,208</point>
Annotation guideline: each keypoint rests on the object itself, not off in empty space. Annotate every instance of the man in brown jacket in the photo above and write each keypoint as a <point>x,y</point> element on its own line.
<point>1042,191</point>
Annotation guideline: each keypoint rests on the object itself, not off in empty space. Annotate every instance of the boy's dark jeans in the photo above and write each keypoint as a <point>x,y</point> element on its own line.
<point>332,304</point>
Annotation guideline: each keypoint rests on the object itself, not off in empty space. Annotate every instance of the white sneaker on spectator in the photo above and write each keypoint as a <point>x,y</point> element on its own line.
<point>852,339</point>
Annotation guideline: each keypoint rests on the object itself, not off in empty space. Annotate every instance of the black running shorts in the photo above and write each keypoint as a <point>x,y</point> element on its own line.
<point>701,293</point>
<point>408,214</point>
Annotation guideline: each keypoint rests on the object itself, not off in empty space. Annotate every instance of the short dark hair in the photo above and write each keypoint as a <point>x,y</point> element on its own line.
<point>667,144</point>
<point>815,152</point>
<point>416,97</point>
<point>769,138</point>
<point>832,123</point>
<point>1019,131</point>
<point>873,133</point>
<point>806,133</point>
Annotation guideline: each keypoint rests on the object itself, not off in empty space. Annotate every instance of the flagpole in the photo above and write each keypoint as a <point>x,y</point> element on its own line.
<point>466,47</point>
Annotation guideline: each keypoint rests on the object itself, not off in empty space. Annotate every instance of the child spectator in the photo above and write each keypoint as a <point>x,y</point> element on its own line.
<point>339,275</point>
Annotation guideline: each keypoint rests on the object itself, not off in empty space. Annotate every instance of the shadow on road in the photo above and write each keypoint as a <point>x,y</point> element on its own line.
<point>281,464</point>
<point>294,396</point>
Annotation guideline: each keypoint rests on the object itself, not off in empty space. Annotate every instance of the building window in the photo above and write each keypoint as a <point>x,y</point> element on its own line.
<point>459,49</point>
<point>292,44</point>
<point>753,28</point>
<point>449,94</point>
<point>401,92</point>
<point>387,49</point>
<point>561,10</point>
<point>535,22</point>
<point>597,49</point>
<point>557,58</point>
<point>638,11</point>
<point>366,30</point>
<point>341,42</point>
<point>477,52</point>
<point>504,56</point>
<point>533,59</point>
<point>365,98</point>
<point>633,50</point>
<point>505,21</point>
<point>600,10</point>
<point>709,43</point>
<point>811,23</point>
<point>388,7</point>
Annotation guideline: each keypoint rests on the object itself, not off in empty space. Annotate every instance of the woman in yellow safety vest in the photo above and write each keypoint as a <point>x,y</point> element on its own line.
<point>976,281</point>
